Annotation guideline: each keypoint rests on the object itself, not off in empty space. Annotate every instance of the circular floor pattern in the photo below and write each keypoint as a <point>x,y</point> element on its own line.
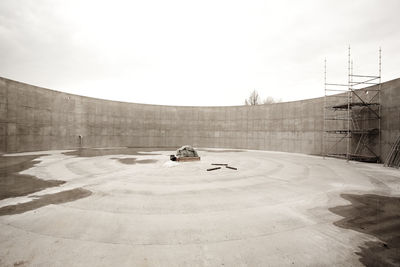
<point>145,211</point>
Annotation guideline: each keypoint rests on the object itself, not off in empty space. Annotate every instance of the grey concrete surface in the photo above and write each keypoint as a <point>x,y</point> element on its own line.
<point>272,211</point>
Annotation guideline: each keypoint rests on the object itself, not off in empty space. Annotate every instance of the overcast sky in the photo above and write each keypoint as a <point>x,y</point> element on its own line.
<point>195,52</point>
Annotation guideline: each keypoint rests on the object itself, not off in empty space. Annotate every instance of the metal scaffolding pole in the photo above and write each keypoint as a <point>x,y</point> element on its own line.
<point>379,101</point>
<point>348,107</point>
<point>323,134</point>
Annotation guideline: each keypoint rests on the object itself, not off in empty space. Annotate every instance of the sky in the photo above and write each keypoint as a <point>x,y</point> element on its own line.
<point>195,53</point>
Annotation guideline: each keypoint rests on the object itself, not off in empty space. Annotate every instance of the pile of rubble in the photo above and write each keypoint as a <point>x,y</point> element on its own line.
<point>185,153</point>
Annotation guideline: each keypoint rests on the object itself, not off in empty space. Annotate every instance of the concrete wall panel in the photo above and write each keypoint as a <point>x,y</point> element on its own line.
<point>34,118</point>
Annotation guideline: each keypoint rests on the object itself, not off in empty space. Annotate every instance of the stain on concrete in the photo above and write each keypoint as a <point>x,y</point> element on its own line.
<point>96,152</point>
<point>132,161</point>
<point>146,161</point>
<point>13,184</point>
<point>44,200</point>
<point>21,263</point>
<point>378,216</point>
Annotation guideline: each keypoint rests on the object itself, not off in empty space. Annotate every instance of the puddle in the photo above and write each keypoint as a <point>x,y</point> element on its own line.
<point>44,200</point>
<point>132,161</point>
<point>93,152</point>
<point>378,216</point>
<point>13,184</point>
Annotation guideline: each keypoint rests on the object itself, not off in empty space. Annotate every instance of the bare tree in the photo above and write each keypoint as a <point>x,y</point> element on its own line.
<point>254,99</point>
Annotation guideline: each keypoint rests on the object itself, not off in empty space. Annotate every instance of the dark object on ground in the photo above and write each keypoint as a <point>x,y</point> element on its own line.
<point>222,164</point>
<point>232,168</point>
<point>172,157</point>
<point>186,151</point>
<point>213,169</point>
<point>187,158</point>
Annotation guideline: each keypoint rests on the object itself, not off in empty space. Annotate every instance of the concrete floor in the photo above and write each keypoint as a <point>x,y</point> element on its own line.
<point>272,211</point>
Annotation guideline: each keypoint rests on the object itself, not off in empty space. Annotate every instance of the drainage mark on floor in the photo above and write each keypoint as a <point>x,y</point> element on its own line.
<point>378,216</point>
<point>44,200</point>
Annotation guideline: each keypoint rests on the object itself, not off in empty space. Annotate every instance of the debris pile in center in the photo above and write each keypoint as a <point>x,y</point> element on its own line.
<point>185,153</point>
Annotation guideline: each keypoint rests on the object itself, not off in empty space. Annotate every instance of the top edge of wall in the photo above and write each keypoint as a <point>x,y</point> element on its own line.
<point>158,105</point>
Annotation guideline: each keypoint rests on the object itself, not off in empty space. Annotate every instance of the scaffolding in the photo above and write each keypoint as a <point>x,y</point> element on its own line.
<point>352,116</point>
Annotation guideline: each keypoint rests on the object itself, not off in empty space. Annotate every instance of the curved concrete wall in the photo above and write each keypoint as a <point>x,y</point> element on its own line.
<point>34,118</point>
<point>390,115</point>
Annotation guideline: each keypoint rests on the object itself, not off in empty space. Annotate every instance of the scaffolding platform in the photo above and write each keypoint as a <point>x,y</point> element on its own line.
<point>363,158</point>
<point>354,131</point>
<point>352,116</point>
<point>354,104</point>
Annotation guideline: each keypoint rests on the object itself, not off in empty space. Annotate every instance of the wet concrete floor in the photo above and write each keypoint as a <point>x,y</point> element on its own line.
<point>378,216</point>
<point>13,184</point>
<point>44,200</point>
<point>275,211</point>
